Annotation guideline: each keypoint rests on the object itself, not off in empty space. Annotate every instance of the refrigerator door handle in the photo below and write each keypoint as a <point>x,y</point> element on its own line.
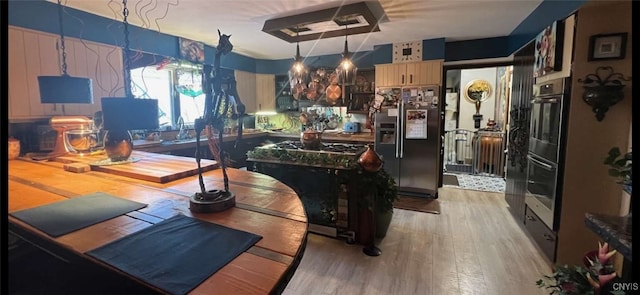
<point>398,135</point>
<point>401,131</point>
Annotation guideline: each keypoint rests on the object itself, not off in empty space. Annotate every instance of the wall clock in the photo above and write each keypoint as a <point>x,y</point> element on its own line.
<point>407,51</point>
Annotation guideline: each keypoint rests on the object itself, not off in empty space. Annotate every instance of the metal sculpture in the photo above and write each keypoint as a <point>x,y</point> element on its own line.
<point>220,105</point>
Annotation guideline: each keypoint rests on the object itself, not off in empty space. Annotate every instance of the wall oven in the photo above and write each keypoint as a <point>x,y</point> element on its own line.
<point>541,187</point>
<point>546,115</point>
<point>546,149</point>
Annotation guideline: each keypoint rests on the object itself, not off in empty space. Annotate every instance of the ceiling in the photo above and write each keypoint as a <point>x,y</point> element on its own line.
<point>402,21</point>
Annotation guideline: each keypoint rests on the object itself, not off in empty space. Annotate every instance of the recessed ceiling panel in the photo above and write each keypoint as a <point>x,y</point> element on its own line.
<point>351,19</point>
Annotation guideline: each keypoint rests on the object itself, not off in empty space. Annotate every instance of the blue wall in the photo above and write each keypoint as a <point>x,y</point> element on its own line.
<point>545,14</point>
<point>37,15</point>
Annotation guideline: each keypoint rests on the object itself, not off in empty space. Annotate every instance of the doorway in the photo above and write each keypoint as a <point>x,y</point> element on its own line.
<point>476,115</point>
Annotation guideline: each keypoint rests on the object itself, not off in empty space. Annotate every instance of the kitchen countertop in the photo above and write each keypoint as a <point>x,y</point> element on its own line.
<point>615,230</point>
<point>171,145</point>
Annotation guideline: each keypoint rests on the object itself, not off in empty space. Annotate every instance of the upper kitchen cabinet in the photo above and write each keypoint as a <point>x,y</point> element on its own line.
<point>246,85</point>
<point>409,74</point>
<point>265,92</point>
<point>36,54</point>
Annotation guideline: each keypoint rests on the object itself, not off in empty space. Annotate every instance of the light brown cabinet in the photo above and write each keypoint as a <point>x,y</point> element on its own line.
<point>246,86</point>
<point>33,53</point>
<point>265,92</point>
<point>409,74</point>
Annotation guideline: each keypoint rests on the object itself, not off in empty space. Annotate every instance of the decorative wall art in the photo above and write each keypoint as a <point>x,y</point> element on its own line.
<point>477,91</point>
<point>190,50</point>
<point>407,52</point>
<point>607,46</point>
<point>548,50</point>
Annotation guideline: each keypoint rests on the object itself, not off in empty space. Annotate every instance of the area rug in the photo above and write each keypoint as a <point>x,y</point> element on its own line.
<point>449,179</point>
<point>481,183</point>
<point>426,205</point>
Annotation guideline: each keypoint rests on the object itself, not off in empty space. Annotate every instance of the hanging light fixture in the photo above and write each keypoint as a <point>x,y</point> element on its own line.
<point>64,88</point>
<point>298,70</point>
<point>121,114</point>
<point>346,71</point>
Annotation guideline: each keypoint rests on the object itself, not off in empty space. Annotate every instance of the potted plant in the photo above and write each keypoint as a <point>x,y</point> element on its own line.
<point>384,188</point>
<point>387,194</point>
<point>620,167</point>
<point>593,278</point>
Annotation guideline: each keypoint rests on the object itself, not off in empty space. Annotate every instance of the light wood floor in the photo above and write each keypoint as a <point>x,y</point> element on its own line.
<point>474,246</point>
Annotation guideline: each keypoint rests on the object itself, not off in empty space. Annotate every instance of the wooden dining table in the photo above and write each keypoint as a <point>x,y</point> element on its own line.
<point>264,206</point>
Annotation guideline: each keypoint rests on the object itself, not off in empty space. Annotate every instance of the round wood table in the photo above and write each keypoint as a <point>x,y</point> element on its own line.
<point>264,206</point>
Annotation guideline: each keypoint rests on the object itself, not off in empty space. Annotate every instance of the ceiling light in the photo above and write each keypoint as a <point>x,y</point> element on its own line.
<point>298,70</point>
<point>121,114</point>
<point>326,23</point>
<point>64,88</point>
<point>346,71</point>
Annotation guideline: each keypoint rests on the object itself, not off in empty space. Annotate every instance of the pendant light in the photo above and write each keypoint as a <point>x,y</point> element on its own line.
<point>121,114</point>
<point>298,70</point>
<point>64,88</point>
<point>346,71</point>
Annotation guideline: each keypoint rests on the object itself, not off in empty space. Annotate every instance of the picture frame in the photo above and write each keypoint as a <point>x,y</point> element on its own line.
<point>549,48</point>
<point>190,50</point>
<point>607,46</point>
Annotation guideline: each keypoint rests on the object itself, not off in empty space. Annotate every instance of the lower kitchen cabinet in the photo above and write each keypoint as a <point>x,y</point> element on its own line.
<point>541,234</point>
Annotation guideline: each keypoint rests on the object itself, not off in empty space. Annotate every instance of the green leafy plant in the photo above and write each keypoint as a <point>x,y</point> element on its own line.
<point>382,185</point>
<point>620,165</point>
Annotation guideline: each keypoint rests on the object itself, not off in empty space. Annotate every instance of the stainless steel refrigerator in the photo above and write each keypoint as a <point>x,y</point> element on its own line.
<point>407,136</point>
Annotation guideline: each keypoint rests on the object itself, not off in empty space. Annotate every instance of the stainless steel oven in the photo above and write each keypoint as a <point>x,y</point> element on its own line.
<point>542,181</point>
<point>546,114</point>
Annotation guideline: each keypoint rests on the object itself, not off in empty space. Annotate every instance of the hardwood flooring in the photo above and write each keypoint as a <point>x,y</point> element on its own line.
<point>474,246</point>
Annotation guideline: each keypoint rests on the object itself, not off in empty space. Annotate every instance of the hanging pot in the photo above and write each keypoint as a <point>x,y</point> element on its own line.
<point>312,91</point>
<point>298,90</point>
<point>333,94</point>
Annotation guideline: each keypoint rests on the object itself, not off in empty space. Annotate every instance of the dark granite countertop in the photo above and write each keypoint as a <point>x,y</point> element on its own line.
<point>615,230</point>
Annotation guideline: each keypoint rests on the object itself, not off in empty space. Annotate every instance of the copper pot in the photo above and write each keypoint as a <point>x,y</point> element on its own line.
<point>311,139</point>
<point>370,160</point>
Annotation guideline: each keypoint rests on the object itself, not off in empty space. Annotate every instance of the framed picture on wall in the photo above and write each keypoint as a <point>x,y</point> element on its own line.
<point>190,50</point>
<point>607,46</point>
<point>548,50</point>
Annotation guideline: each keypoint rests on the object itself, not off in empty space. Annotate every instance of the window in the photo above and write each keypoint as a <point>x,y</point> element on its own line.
<point>185,100</point>
<point>151,83</point>
<point>191,97</point>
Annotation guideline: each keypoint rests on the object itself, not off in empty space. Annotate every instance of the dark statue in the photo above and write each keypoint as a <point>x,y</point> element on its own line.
<point>221,104</point>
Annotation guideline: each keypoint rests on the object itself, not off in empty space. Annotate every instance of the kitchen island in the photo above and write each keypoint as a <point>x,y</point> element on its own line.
<point>326,181</point>
<point>264,207</point>
<point>250,140</point>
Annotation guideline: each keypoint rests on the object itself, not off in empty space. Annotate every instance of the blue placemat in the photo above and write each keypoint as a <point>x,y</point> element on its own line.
<point>66,216</point>
<point>177,254</point>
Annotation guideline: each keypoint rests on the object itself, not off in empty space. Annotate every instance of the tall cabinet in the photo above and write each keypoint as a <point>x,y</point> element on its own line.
<point>265,92</point>
<point>518,131</point>
<point>34,53</point>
